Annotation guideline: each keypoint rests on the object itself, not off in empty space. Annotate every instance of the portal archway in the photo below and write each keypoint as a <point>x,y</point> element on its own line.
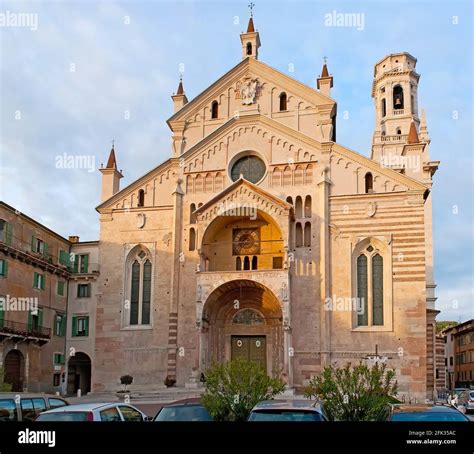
<point>14,366</point>
<point>79,374</point>
<point>243,318</point>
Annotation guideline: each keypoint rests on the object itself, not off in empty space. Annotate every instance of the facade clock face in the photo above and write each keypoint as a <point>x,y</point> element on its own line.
<point>251,167</point>
<point>246,242</point>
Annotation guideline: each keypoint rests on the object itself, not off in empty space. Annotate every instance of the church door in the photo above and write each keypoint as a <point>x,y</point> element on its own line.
<point>250,348</point>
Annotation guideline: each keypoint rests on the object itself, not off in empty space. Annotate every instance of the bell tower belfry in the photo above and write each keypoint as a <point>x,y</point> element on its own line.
<point>395,93</point>
<point>251,39</point>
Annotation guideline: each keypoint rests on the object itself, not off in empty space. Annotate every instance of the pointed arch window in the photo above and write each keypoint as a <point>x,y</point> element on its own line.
<point>215,110</point>
<point>283,102</point>
<point>140,280</point>
<point>373,301</point>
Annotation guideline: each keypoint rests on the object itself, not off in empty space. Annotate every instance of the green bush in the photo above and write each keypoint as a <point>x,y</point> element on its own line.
<point>4,387</point>
<point>235,387</point>
<point>359,393</point>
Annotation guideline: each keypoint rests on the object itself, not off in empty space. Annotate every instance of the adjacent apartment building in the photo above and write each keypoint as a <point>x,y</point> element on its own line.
<point>40,272</point>
<point>460,355</point>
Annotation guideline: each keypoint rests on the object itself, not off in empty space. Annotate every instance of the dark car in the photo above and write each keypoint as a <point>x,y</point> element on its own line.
<point>298,410</point>
<point>426,412</point>
<point>27,406</point>
<point>183,410</point>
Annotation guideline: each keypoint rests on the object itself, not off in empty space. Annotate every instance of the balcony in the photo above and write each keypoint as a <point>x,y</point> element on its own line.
<point>395,138</point>
<point>90,268</point>
<point>17,331</point>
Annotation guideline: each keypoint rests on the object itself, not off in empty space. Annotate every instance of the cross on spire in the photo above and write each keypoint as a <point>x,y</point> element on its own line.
<point>325,59</point>
<point>251,6</point>
<point>113,143</point>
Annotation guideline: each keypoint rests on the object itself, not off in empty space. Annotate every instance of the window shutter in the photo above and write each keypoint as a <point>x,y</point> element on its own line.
<point>35,280</point>
<point>63,325</point>
<point>86,325</point>
<point>42,279</point>
<point>74,326</point>
<point>30,321</point>
<point>5,268</point>
<point>76,263</point>
<point>2,317</point>
<point>40,318</point>
<point>85,263</point>
<point>9,233</point>
<point>45,250</point>
<point>33,243</point>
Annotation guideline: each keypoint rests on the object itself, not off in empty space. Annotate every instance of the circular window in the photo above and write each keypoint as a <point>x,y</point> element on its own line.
<point>251,167</point>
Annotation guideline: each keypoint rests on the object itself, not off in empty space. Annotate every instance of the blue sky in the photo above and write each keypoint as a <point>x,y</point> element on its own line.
<point>94,71</point>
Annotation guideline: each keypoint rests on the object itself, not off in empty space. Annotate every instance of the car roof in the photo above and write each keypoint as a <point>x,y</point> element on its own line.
<point>423,408</point>
<point>184,402</point>
<point>85,407</point>
<point>281,404</point>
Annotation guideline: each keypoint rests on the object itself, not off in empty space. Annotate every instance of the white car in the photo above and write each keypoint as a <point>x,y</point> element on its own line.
<point>109,412</point>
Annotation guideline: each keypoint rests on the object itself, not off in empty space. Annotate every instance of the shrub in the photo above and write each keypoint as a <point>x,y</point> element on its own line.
<point>359,393</point>
<point>126,380</point>
<point>235,387</point>
<point>4,387</point>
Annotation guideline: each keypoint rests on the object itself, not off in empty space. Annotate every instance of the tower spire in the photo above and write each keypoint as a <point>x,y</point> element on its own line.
<point>325,81</point>
<point>110,176</point>
<point>179,99</point>
<point>250,39</point>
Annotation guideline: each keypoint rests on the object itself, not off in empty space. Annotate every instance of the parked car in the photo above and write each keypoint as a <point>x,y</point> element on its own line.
<point>426,412</point>
<point>467,400</point>
<point>109,412</point>
<point>288,411</point>
<point>183,410</point>
<point>26,406</point>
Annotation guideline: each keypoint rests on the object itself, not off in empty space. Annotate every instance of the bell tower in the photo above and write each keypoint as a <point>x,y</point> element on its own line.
<point>395,94</point>
<point>251,39</point>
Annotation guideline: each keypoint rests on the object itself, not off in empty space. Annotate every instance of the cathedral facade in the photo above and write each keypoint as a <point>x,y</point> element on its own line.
<point>263,238</point>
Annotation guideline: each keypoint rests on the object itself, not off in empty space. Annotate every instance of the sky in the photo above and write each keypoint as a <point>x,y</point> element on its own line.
<point>79,74</point>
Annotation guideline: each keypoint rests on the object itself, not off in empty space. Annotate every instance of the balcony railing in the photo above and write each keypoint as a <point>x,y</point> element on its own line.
<point>17,329</point>
<point>395,138</point>
<point>91,268</point>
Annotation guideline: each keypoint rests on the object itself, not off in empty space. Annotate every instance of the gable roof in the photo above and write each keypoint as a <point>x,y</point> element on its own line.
<point>305,91</point>
<point>243,182</point>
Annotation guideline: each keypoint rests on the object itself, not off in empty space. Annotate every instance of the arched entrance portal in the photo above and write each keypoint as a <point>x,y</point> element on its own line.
<point>14,366</point>
<point>243,319</point>
<point>79,374</point>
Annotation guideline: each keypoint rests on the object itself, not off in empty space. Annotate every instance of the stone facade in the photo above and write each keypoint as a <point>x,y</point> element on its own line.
<point>255,228</point>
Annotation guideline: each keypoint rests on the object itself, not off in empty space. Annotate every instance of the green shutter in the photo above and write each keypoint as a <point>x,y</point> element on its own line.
<point>2,316</point>
<point>9,233</point>
<point>63,325</point>
<point>74,326</point>
<point>30,321</point>
<point>33,243</point>
<point>5,268</point>
<point>42,279</point>
<point>87,325</point>
<point>35,279</point>
<point>40,318</point>
<point>45,250</point>
<point>76,263</point>
<point>61,288</point>
<point>85,263</point>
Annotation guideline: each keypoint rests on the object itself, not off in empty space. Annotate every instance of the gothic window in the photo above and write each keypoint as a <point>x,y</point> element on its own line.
<point>192,239</point>
<point>140,274</point>
<point>254,262</point>
<point>369,183</point>
<point>141,198</point>
<point>372,304</point>
<point>384,107</point>
<point>283,102</point>
<point>215,110</point>
<point>246,263</point>
<point>397,97</point>
<point>192,216</point>
<point>307,234</point>
<point>248,317</point>
<point>249,48</point>
<point>299,235</point>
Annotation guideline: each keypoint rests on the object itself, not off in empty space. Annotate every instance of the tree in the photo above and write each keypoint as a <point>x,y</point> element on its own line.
<point>4,387</point>
<point>359,393</point>
<point>441,326</point>
<point>235,387</point>
<point>126,380</point>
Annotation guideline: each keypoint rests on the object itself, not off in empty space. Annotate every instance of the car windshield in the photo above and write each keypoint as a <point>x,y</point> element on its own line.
<point>285,415</point>
<point>429,416</point>
<point>184,413</point>
<point>64,416</point>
